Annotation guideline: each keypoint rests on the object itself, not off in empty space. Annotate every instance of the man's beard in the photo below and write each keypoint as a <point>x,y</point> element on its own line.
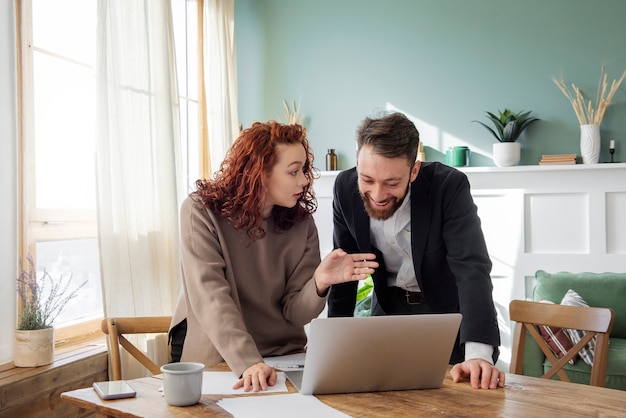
<point>380,214</point>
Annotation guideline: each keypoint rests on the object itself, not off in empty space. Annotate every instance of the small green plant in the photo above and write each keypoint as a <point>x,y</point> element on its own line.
<point>42,299</point>
<point>508,125</point>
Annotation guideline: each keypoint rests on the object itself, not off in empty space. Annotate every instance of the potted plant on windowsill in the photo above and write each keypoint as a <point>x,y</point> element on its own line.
<point>41,301</point>
<point>508,127</point>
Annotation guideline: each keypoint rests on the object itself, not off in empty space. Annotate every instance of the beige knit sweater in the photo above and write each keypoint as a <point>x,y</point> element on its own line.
<point>244,301</point>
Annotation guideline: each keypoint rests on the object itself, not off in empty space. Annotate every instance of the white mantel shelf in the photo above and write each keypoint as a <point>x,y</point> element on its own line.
<point>547,177</point>
<point>548,217</point>
<point>553,167</point>
<point>524,168</point>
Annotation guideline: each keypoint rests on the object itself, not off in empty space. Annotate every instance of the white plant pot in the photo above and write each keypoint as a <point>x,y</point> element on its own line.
<point>34,348</point>
<point>506,154</point>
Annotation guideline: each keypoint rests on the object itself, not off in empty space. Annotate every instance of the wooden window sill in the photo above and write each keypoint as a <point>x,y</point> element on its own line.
<point>35,391</point>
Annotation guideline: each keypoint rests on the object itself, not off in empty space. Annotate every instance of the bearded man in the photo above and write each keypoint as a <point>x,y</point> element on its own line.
<point>421,221</point>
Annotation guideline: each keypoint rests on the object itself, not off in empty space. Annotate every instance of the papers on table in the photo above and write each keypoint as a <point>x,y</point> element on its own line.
<point>287,362</point>
<point>221,383</point>
<point>283,405</point>
<point>279,406</point>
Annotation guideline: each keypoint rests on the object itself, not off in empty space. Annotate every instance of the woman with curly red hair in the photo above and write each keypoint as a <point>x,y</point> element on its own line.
<point>252,275</point>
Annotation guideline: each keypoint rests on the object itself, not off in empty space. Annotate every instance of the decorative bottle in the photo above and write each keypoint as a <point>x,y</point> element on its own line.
<point>331,160</point>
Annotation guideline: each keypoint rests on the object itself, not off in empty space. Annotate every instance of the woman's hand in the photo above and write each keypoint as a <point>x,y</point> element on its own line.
<point>257,377</point>
<point>340,267</point>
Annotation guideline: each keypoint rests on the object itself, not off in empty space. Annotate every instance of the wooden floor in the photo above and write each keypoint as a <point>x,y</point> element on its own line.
<point>34,392</point>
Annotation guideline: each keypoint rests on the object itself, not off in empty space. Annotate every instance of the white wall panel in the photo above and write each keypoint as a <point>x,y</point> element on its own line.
<point>616,222</point>
<point>501,215</point>
<point>557,223</point>
<point>323,188</point>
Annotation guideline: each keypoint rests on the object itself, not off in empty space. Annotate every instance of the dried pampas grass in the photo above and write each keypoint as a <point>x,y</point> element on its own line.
<point>586,112</point>
<point>292,114</point>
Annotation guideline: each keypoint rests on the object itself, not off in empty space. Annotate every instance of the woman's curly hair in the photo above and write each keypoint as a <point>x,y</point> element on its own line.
<point>239,188</point>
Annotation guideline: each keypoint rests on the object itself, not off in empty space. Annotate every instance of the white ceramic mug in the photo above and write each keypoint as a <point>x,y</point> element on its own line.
<point>182,383</point>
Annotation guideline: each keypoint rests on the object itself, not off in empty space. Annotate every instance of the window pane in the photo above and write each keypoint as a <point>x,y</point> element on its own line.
<point>193,144</point>
<point>66,27</point>
<point>76,260</point>
<point>64,134</point>
<point>185,15</point>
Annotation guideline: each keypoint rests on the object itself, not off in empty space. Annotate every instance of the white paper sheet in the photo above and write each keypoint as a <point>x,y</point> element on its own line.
<point>287,362</point>
<point>279,406</point>
<point>221,383</point>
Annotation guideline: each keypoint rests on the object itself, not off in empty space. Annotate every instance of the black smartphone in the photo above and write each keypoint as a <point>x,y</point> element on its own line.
<point>114,389</point>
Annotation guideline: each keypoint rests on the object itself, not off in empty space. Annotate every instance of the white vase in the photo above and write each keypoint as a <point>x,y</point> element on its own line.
<point>33,348</point>
<point>590,143</point>
<point>506,154</point>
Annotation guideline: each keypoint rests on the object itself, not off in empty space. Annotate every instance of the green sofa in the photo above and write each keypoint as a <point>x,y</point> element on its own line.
<point>597,289</point>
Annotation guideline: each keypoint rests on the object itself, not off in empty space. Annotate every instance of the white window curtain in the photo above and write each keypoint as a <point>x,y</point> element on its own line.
<point>138,160</point>
<point>220,76</point>
<point>140,185</point>
<point>138,157</point>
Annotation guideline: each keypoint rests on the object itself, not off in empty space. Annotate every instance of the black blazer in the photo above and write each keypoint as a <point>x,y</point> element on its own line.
<point>450,256</point>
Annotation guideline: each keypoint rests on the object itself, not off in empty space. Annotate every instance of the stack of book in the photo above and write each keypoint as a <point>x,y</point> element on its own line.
<point>557,159</point>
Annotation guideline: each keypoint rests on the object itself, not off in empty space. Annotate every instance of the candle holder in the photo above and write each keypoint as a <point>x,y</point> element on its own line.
<point>612,150</point>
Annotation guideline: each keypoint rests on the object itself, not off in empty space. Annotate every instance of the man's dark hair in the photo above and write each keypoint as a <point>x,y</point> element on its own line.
<point>391,135</point>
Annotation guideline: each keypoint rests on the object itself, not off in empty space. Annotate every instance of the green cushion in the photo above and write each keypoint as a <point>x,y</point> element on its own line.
<point>597,289</point>
<point>533,358</point>
<point>580,372</point>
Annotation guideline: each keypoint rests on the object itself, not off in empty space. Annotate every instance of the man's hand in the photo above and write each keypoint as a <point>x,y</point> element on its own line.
<point>257,377</point>
<point>481,373</point>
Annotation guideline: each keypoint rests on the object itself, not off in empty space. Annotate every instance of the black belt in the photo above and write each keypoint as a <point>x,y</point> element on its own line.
<point>412,298</point>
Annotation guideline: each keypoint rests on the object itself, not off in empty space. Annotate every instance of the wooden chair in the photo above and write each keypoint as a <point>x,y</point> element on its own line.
<point>117,327</point>
<point>595,321</point>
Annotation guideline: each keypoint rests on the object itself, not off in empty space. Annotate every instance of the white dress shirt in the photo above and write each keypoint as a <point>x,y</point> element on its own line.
<point>392,237</point>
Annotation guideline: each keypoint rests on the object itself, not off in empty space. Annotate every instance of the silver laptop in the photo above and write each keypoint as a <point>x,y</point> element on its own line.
<point>378,353</point>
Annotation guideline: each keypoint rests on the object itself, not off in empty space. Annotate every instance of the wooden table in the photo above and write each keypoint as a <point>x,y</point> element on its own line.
<point>522,396</point>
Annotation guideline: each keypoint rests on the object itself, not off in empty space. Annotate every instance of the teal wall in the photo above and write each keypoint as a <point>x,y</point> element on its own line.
<point>442,62</point>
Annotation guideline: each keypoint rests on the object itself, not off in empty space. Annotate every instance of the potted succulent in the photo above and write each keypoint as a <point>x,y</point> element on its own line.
<point>41,301</point>
<point>508,127</point>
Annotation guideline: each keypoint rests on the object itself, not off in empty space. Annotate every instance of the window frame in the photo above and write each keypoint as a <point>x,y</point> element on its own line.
<point>40,225</point>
